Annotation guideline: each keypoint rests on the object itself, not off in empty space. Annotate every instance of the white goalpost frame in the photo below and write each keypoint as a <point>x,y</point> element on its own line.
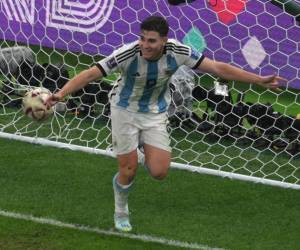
<point>195,169</point>
<point>227,35</point>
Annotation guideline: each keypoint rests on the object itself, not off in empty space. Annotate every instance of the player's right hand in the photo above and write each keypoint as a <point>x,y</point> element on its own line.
<point>53,99</point>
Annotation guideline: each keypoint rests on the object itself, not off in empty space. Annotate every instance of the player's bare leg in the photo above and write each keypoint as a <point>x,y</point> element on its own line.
<point>157,161</point>
<point>122,184</point>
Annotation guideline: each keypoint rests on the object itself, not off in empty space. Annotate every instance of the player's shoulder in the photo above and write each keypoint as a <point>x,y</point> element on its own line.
<point>127,51</point>
<point>173,46</point>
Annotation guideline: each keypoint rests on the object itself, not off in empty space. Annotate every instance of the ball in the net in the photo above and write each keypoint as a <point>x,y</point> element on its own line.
<point>33,104</point>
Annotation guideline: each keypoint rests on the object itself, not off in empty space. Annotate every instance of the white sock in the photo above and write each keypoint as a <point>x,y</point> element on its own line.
<point>121,196</point>
<point>121,203</point>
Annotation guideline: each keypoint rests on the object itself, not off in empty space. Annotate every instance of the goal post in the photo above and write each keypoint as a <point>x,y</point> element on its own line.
<point>240,131</point>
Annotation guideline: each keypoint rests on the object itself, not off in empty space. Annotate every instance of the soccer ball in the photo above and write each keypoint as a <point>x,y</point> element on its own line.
<point>33,104</point>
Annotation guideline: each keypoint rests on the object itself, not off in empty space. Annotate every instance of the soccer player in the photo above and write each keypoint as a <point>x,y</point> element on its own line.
<point>140,100</point>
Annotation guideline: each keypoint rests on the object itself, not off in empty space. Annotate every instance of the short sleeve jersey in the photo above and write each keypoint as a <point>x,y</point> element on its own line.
<point>144,84</point>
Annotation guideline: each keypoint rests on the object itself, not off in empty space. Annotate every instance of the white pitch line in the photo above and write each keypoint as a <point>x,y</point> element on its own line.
<point>145,238</point>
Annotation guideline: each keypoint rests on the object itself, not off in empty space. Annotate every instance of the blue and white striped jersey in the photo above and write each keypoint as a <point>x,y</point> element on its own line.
<point>144,85</point>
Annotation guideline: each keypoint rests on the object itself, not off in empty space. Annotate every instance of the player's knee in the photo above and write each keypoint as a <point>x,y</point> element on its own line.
<point>159,174</point>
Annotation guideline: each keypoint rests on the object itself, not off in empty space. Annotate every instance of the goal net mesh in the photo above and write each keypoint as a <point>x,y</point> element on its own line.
<point>244,129</point>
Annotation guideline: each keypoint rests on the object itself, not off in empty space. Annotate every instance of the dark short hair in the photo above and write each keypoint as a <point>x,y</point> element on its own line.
<point>156,23</point>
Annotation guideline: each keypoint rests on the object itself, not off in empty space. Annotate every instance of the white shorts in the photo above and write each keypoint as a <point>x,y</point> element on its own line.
<point>130,129</point>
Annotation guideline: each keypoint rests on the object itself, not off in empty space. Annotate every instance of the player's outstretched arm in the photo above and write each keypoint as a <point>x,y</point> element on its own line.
<point>229,72</point>
<point>76,83</point>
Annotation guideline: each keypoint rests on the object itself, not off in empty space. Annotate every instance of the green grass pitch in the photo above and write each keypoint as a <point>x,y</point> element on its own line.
<point>75,187</point>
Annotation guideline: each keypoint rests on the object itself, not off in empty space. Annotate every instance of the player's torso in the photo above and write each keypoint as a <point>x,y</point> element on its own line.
<point>144,84</point>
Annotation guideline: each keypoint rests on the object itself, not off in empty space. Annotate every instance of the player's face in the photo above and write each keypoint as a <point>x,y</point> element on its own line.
<point>152,44</point>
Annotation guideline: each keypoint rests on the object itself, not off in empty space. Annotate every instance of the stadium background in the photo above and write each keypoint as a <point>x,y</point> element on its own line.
<point>222,29</point>
<point>267,217</point>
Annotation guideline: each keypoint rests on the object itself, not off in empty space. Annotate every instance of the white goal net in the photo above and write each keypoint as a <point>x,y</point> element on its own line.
<point>243,131</point>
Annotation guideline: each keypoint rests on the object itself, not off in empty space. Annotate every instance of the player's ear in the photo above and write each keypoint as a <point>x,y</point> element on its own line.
<point>165,39</point>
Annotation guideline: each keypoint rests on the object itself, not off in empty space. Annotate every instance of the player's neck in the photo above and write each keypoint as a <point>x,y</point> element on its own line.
<point>156,58</point>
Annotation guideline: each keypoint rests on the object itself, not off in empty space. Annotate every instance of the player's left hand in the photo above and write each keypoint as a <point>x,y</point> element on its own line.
<point>273,82</point>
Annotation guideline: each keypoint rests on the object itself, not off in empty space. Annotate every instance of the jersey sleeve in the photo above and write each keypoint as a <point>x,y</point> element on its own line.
<point>195,59</point>
<point>186,55</point>
<point>117,59</point>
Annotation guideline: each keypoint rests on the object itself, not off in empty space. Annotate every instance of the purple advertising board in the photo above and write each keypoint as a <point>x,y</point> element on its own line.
<point>255,35</point>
